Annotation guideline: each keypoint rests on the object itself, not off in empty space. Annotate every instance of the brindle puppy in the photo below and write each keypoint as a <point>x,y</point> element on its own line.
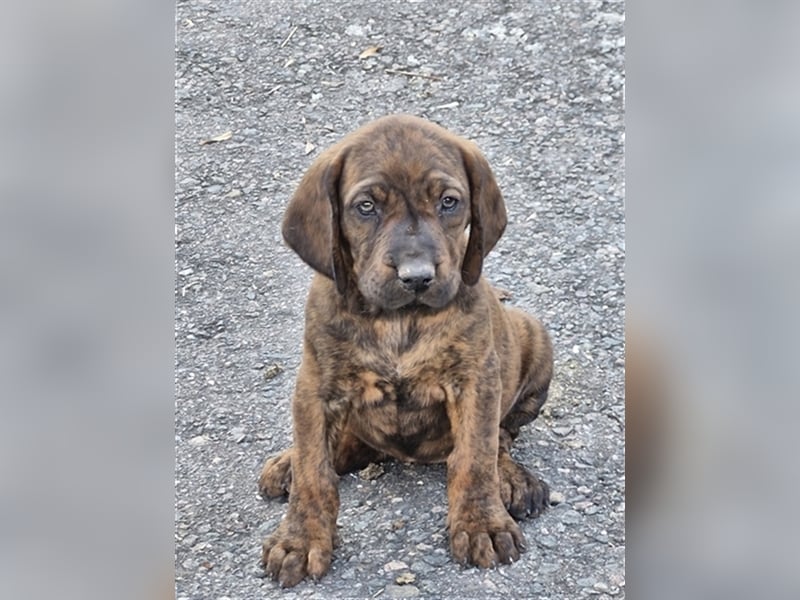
<point>408,352</point>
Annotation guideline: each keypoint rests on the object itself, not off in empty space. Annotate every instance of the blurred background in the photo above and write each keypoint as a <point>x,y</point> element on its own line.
<point>712,216</point>
<point>86,307</point>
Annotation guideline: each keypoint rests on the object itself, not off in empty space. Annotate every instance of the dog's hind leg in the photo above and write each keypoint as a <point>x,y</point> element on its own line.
<point>523,494</point>
<point>350,454</point>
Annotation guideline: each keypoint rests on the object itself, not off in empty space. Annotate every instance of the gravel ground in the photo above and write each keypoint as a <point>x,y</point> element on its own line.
<point>539,86</point>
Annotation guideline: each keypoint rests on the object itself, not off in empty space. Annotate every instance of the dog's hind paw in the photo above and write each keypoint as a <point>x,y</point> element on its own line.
<point>276,476</point>
<point>523,494</point>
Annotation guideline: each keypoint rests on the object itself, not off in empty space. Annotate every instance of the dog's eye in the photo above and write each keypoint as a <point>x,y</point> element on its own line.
<point>449,203</point>
<point>366,207</point>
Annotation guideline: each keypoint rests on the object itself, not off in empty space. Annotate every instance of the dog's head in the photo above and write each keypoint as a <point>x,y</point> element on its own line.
<point>386,210</point>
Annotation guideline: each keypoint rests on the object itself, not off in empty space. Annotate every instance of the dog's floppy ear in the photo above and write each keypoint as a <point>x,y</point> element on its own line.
<point>311,224</point>
<point>487,212</point>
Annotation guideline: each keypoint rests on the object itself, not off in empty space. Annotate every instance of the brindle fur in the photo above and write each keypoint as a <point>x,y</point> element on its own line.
<point>440,372</point>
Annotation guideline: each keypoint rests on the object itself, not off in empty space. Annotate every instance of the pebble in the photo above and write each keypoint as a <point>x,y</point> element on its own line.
<point>361,525</point>
<point>437,559</point>
<point>405,578</point>
<point>556,498</point>
<point>548,541</point>
<point>394,565</point>
<point>355,30</point>
<point>571,517</point>
<point>547,568</point>
<point>418,536</point>
<point>237,435</point>
<point>199,440</point>
<point>372,471</point>
<point>601,587</point>
<point>420,566</point>
<point>401,591</point>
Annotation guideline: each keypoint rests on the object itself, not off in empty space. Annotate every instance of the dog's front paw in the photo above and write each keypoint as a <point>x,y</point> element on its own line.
<point>485,542</point>
<point>298,549</point>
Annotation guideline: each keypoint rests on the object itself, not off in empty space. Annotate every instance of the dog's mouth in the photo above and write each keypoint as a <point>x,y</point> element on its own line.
<point>394,294</point>
<point>432,298</point>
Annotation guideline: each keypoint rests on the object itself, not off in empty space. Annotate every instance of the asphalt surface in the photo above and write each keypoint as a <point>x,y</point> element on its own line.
<point>539,87</point>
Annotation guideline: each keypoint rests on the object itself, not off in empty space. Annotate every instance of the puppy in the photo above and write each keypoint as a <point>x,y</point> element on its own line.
<point>408,352</point>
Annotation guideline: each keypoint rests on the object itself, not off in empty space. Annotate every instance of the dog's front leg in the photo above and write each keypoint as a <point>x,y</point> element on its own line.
<point>303,543</point>
<point>481,530</point>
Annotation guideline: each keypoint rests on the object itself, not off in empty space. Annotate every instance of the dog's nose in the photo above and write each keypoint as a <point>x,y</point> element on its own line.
<point>416,275</point>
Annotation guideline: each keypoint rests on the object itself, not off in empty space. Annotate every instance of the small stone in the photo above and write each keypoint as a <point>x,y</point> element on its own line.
<point>398,524</point>
<point>556,498</point>
<point>238,435</point>
<point>361,525</point>
<point>417,536</point>
<point>548,541</point>
<point>272,371</point>
<point>562,430</point>
<point>258,571</point>
<point>199,440</point>
<point>548,568</point>
<point>571,517</point>
<point>401,591</point>
<point>405,578</point>
<point>394,565</point>
<point>489,584</point>
<point>437,559</point>
<point>421,567</point>
<point>371,471</point>
<point>355,30</point>
<point>601,587</point>
<point>586,582</point>
<point>234,193</point>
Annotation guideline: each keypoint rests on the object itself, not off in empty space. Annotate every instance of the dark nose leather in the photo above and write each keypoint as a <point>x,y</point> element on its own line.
<point>416,275</point>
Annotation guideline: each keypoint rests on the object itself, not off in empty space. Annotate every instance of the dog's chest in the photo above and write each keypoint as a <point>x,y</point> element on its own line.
<point>401,374</point>
<point>405,417</point>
